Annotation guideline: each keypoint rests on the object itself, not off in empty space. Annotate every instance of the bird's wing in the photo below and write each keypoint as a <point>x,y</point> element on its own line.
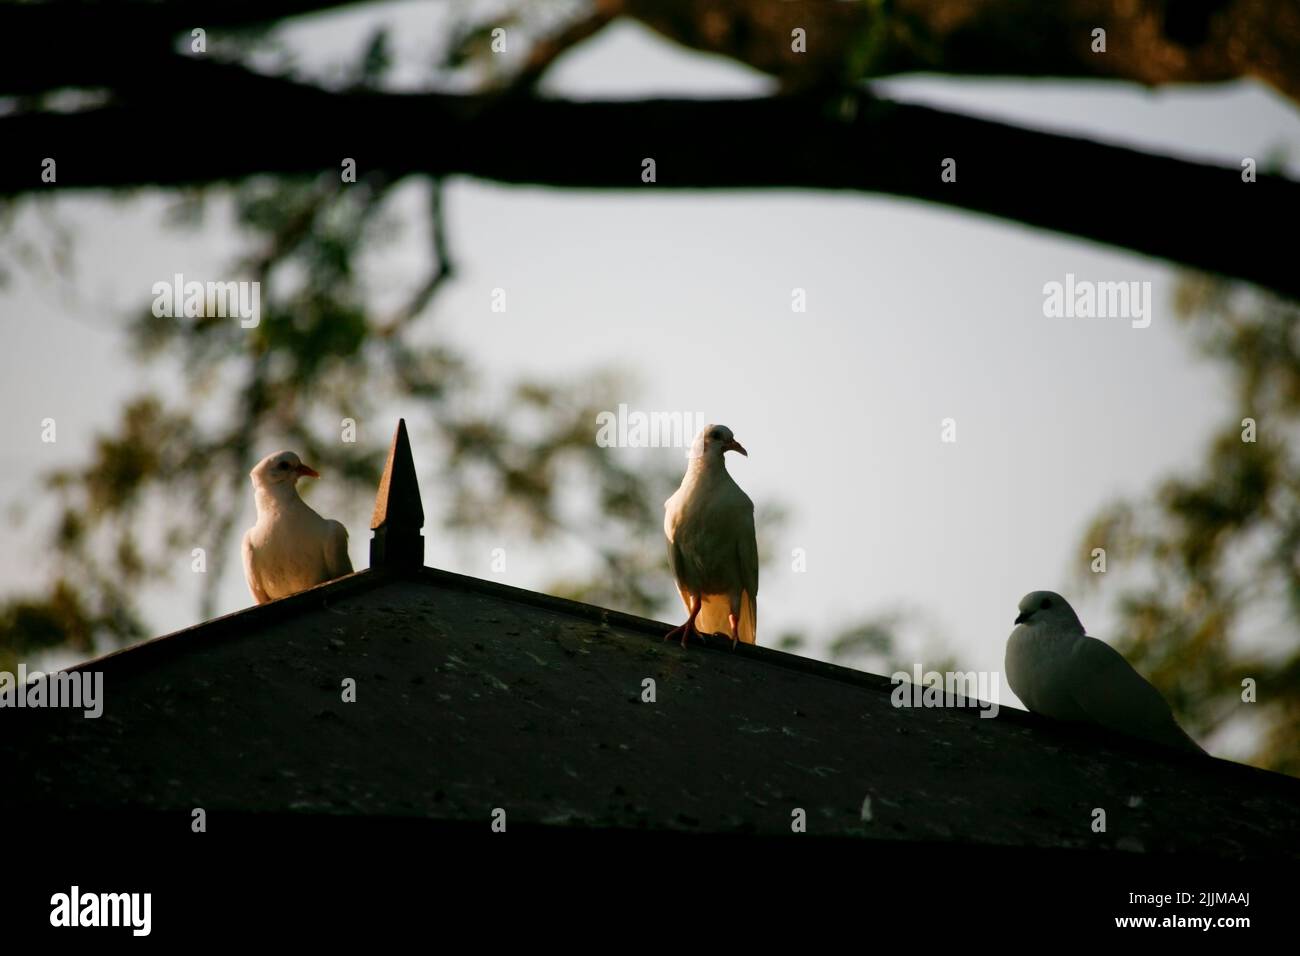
<point>731,555</point>
<point>747,557</point>
<point>715,612</point>
<point>678,565</point>
<point>337,562</point>
<point>1113,694</point>
<point>250,572</point>
<point>676,560</point>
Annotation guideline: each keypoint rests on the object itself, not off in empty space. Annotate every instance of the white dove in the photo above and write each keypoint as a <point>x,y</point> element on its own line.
<point>1059,671</point>
<point>709,522</point>
<point>291,548</point>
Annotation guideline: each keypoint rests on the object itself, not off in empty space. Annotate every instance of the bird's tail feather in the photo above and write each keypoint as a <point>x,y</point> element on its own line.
<point>748,623</point>
<point>714,617</point>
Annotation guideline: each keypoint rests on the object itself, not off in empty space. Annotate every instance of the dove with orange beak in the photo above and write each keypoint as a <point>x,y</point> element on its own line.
<point>291,547</point>
<point>712,547</point>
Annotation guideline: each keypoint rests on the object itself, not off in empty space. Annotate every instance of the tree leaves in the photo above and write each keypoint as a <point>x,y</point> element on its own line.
<point>1209,566</point>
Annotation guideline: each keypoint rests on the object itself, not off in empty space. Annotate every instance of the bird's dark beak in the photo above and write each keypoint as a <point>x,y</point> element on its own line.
<point>1022,617</point>
<point>308,472</point>
<point>734,445</point>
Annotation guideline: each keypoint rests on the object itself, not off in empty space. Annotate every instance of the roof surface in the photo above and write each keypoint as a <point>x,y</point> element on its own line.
<point>472,696</point>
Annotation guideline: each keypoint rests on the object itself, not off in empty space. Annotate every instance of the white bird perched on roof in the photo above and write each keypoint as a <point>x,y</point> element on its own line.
<point>709,522</point>
<point>291,548</point>
<point>1059,671</point>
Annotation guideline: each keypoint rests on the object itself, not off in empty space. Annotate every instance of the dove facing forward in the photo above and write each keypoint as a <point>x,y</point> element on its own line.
<point>291,548</point>
<point>1059,671</point>
<point>709,522</point>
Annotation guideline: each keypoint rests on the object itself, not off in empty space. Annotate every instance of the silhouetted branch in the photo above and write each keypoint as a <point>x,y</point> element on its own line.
<point>1191,213</point>
<point>99,43</point>
<point>1151,42</point>
<point>440,270</point>
<point>547,50</point>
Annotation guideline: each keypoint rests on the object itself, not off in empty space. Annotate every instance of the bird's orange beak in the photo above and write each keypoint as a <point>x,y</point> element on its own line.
<point>308,472</point>
<point>734,445</point>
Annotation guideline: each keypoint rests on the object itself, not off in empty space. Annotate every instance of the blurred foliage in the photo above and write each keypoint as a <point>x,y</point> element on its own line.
<point>321,353</point>
<point>509,458</point>
<point>60,619</point>
<point>1208,567</point>
<point>1212,555</point>
<point>326,350</point>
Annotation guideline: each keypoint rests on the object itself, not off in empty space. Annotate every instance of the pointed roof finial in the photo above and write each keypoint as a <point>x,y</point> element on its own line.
<point>398,516</point>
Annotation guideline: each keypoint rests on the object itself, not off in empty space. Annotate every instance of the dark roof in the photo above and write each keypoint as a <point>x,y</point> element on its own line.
<point>472,696</point>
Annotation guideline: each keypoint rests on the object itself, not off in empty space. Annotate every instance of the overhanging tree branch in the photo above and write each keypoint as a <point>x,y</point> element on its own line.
<point>1147,41</point>
<point>59,43</point>
<point>206,122</point>
<point>94,43</point>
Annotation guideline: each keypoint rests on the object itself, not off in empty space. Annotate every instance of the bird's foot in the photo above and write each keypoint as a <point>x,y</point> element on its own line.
<point>686,630</point>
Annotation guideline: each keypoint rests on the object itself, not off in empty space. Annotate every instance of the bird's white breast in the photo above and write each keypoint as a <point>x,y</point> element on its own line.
<point>1038,665</point>
<point>702,520</point>
<point>288,550</point>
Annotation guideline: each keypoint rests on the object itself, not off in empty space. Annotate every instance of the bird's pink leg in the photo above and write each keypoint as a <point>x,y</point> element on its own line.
<point>734,621</point>
<point>688,628</point>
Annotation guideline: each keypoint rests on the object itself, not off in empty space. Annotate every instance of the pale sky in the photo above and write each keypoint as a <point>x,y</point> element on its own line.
<point>916,313</point>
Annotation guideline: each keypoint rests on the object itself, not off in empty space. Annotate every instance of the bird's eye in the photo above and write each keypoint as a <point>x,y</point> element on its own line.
<point>1047,602</point>
<point>283,464</point>
<point>716,434</point>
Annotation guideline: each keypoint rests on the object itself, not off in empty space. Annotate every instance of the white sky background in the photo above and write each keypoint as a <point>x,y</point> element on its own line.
<point>915,313</point>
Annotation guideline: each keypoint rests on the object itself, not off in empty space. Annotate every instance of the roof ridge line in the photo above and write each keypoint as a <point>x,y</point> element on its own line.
<point>368,579</point>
